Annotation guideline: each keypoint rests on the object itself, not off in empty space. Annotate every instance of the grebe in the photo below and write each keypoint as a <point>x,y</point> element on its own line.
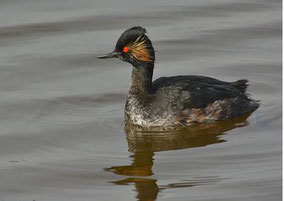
<point>178,100</point>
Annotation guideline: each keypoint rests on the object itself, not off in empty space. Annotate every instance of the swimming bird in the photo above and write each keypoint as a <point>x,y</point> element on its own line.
<point>178,100</point>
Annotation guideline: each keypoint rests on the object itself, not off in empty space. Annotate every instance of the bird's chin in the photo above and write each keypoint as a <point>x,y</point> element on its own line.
<point>133,63</point>
<point>121,58</point>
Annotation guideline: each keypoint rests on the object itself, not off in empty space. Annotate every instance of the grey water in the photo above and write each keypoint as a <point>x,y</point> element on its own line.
<point>62,134</point>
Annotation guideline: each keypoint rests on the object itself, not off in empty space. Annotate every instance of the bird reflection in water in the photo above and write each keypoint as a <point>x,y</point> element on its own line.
<point>145,142</point>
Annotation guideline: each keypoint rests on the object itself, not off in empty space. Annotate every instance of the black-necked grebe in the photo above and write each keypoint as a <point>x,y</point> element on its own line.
<point>177,100</point>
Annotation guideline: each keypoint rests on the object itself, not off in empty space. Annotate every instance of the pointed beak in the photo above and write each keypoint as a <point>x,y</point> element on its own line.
<point>109,55</point>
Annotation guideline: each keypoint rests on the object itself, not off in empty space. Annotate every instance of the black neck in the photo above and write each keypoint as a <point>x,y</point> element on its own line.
<point>141,82</point>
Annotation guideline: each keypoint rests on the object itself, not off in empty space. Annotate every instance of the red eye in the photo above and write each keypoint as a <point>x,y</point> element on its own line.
<point>125,49</point>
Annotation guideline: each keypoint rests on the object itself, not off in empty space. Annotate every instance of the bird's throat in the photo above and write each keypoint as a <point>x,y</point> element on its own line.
<point>141,82</point>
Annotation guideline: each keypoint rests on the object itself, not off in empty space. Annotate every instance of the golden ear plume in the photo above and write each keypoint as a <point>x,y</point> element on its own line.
<point>138,49</point>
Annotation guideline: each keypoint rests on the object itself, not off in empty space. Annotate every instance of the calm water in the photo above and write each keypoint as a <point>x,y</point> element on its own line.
<point>61,110</point>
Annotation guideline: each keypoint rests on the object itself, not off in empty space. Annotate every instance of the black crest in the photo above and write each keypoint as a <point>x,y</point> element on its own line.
<point>130,36</point>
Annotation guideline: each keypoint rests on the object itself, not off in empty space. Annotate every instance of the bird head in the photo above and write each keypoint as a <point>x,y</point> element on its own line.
<point>133,46</point>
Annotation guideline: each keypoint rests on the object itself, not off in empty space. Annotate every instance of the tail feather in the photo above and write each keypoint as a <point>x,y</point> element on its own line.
<point>241,84</point>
